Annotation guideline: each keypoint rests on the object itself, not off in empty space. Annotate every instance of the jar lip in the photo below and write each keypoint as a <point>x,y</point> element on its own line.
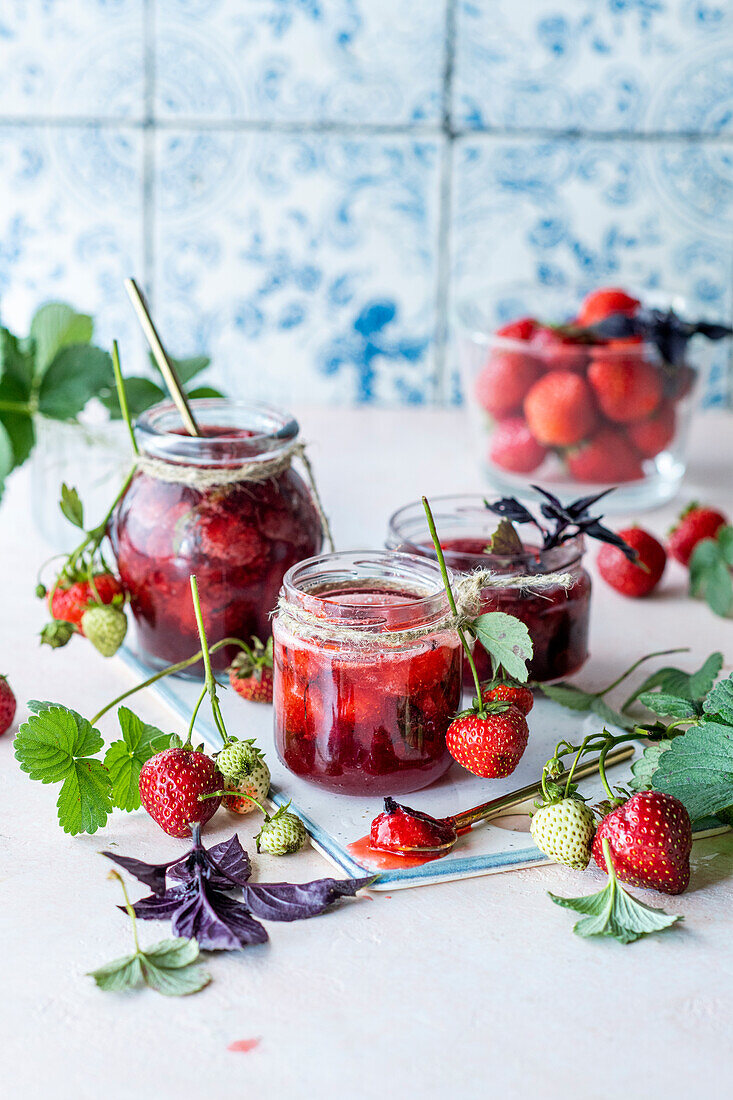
<point>270,431</point>
<point>467,511</point>
<point>384,568</point>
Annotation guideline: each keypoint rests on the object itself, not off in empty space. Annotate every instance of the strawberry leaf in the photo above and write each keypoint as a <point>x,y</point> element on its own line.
<point>720,701</point>
<point>698,769</point>
<point>644,768</point>
<point>675,681</point>
<point>71,506</point>
<point>614,912</point>
<point>506,640</point>
<point>75,375</point>
<point>56,745</point>
<point>710,572</point>
<point>672,706</point>
<point>167,967</point>
<point>575,699</point>
<point>124,759</point>
<point>55,326</point>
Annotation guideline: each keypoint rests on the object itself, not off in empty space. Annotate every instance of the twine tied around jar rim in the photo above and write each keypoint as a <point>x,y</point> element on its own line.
<point>467,594</point>
<point>203,478</point>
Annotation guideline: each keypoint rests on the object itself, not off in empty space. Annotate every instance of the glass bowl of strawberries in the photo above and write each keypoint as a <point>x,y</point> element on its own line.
<point>591,393</point>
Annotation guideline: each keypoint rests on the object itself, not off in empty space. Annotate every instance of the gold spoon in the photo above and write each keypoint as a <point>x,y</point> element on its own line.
<point>160,355</point>
<point>497,806</point>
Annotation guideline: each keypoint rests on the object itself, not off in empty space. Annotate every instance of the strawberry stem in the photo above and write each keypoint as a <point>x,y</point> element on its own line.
<point>128,907</point>
<point>121,395</point>
<point>170,670</point>
<point>646,657</point>
<point>452,603</point>
<point>235,794</point>
<point>192,723</point>
<point>209,675</point>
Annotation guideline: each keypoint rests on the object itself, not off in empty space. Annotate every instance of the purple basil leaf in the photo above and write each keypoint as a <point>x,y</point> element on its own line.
<point>152,874</point>
<point>285,901</point>
<point>215,921</point>
<point>617,326</point>
<point>511,509</point>
<point>596,530</point>
<point>230,864</point>
<point>162,906</point>
<point>579,507</point>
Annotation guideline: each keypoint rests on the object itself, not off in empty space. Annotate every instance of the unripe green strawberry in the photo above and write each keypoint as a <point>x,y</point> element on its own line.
<point>281,834</point>
<point>105,627</point>
<point>245,771</point>
<point>564,831</point>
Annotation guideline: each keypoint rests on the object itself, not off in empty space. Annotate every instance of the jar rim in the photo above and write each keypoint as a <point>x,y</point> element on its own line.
<point>270,431</point>
<point>409,521</point>
<point>306,584</point>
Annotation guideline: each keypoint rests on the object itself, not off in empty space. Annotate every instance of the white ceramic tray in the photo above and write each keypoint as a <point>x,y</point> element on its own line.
<point>335,821</point>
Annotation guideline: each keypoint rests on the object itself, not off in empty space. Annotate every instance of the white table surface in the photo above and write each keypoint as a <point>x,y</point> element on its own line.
<point>466,989</point>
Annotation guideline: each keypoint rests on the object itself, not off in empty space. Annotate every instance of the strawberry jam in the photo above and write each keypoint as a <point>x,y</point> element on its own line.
<point>399,829</point>
<point>363,699</point>
<point>557,618</point>
<point>180,516</point>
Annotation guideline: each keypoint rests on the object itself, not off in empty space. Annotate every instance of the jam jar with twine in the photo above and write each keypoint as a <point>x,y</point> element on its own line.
<point>226,505</point>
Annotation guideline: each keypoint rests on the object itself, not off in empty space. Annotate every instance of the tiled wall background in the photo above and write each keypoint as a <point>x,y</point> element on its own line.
<point>306,187</point>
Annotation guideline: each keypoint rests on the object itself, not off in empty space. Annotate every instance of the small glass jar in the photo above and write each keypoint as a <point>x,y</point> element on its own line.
<point>557,618</point>
<point>180,515</point>
<point>361,706</point>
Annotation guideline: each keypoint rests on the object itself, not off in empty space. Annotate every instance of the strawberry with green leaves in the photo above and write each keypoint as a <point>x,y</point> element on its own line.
<point>650,839</point>
<point>250,673</point>
<point>105,627</point>
<point>489,740</point>
<point>282,834</point>
<point>564,830</point>
<point>7,705</point>
<point>695,523</point>
<point>506,690</point>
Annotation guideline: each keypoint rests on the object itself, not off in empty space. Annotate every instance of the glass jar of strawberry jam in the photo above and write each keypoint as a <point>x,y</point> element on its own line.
<point>226,506</point>
<point>557,618</point>
<point>367,672</point>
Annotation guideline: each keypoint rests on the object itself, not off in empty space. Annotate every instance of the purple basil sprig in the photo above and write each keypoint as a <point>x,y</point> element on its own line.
<point>661,327</point>
<point>199,904</point>
<point>567,520</point>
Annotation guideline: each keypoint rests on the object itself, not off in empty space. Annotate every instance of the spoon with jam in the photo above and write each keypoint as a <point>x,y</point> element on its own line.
<point>407,832</point>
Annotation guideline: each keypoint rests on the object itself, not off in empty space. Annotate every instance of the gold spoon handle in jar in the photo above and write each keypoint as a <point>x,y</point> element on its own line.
<point>510,801</point>
<point>160,355</point>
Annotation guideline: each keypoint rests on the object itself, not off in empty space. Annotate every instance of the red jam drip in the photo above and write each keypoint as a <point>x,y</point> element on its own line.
<point>372,860</point>
<point>399,827</point>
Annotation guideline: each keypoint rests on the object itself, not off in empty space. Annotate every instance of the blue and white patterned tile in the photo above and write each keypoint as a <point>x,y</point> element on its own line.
<point>305,265</point>
<point>595,65</point>
<point>70,216</point>
<point>579,213</point>
<point>72,57</point>
<point>354,61</point>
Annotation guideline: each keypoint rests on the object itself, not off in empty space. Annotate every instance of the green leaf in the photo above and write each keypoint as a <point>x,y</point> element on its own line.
<point>124,759</point>
<point>720,701</point>
<point>167,967</point>
<point>76,374</point>
<point>698,769</point>
<point>672,706</point>
<point>710,575</point>
<point>55,326</point>
<point>16,364</point>
<point>507,641</point>
<point>56,745</point>
<point>674,681</point>
<point>505,539</point>
<point>141,395</point>
<point>644,768</point>
<point>205,391</point>
<point>7,459</point>
<point>186,369</point>
<point>613,912</point>
<point>724,539</point>
<point>20,431</point>
<point>575,699</point>
<point>71,506</point>
<point>609,715</point>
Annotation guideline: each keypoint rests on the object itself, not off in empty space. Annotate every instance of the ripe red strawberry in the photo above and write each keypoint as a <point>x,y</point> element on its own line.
<point>557,352</point>
<point>521,329</point>
<point>250,673</point>
<point>627,388</point>
<point>69,601</point>
<point>650,838</point>
<point>504,382</point>
<point>489,746</point>
<point>633,578</point>
<point>513,447</point>
<point>656,433</point>
<point>7,705</point>
<point>170,785</point>
<point>694,524</point>
<point>608,457</point>
<point>604,302</point>
<point>519,695</point>
<point>560,409</point>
